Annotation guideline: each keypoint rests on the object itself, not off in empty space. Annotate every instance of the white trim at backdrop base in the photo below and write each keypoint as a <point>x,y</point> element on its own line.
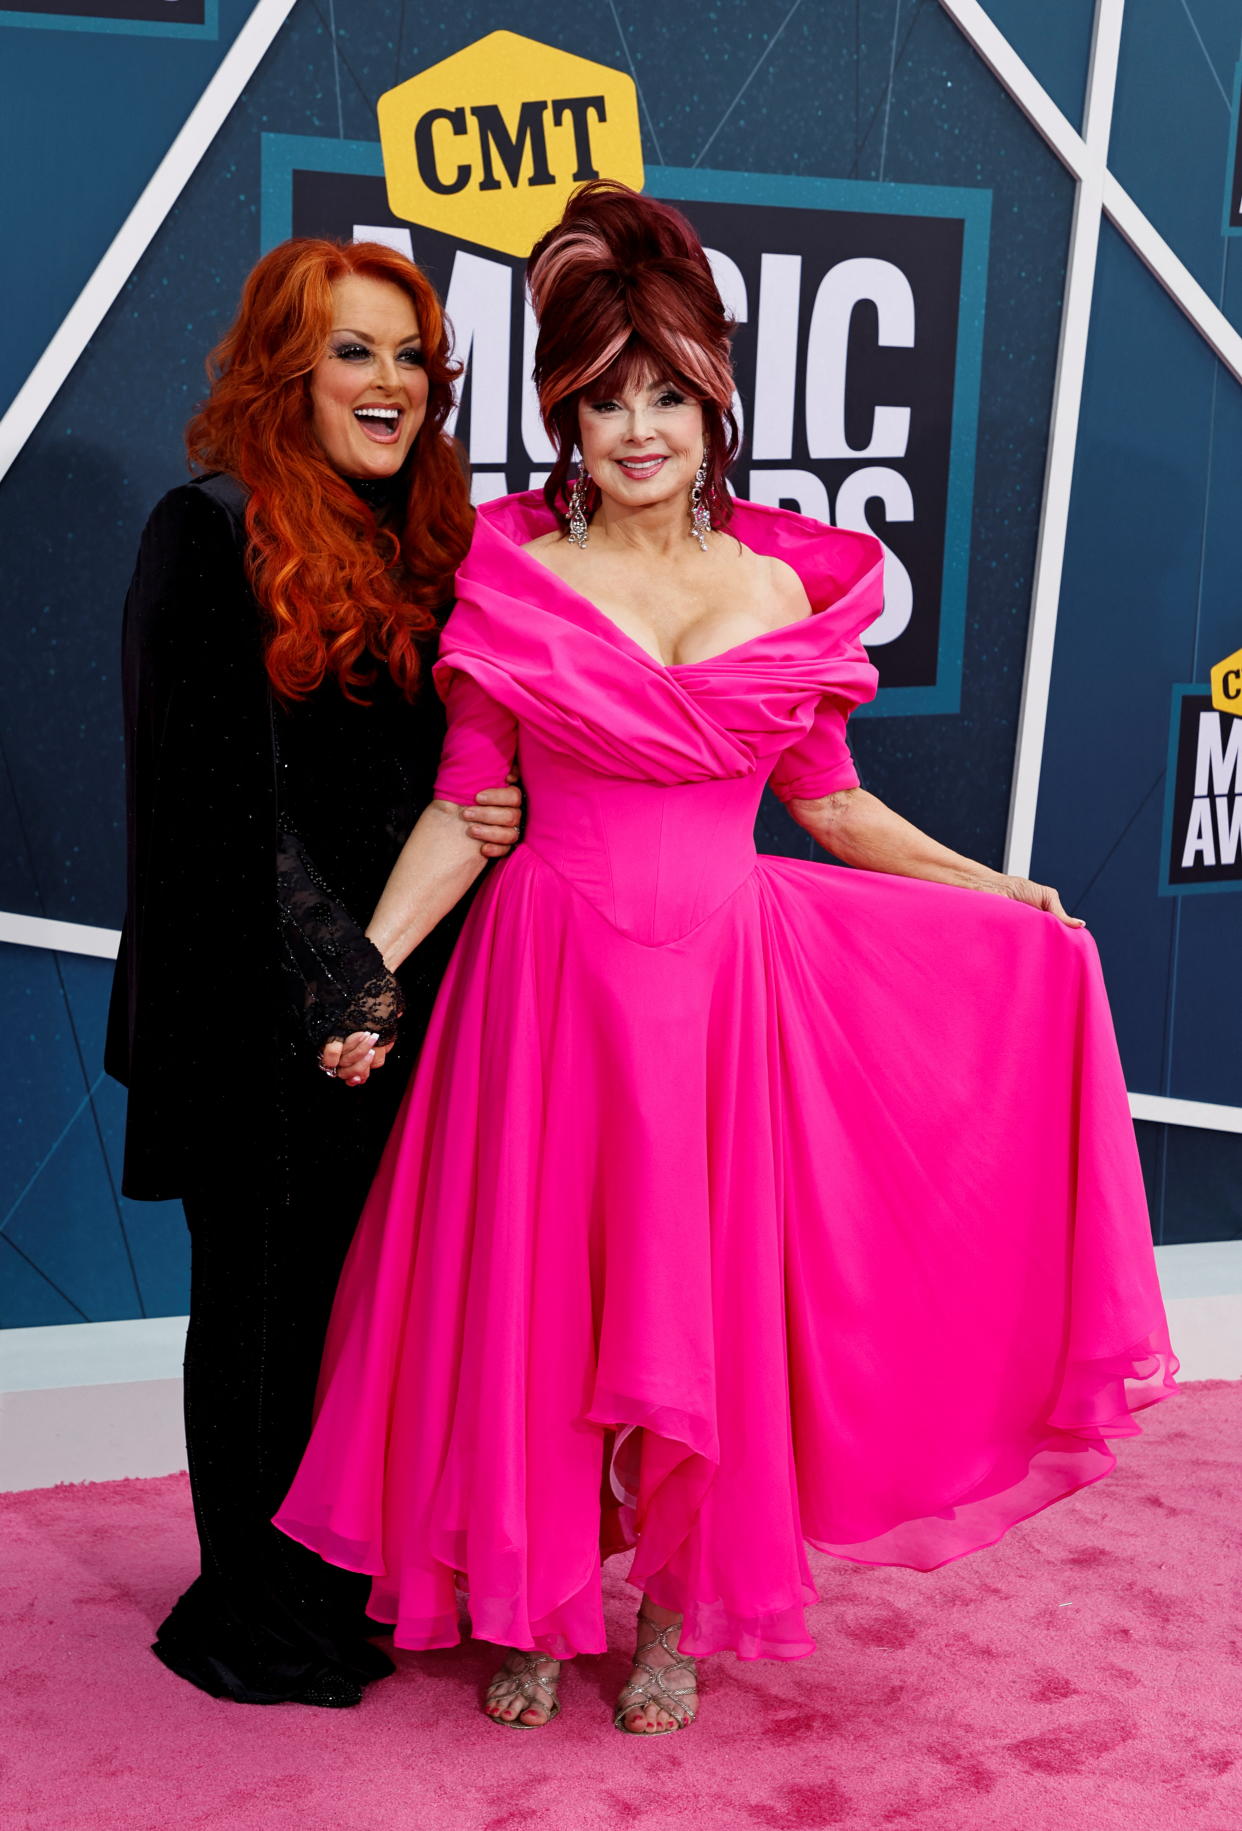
<point>99,1401</point>
<point>60,937</point>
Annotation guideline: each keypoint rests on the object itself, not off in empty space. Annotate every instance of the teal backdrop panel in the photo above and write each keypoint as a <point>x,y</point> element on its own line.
<point>1140,804</point>
<point>1173,139</point>
<point>88,114</point>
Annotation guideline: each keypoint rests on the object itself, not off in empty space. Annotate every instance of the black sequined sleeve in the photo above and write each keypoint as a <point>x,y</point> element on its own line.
<point>336,976</point>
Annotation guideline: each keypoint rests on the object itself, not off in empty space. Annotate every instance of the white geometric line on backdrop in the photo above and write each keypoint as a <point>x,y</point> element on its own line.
<point>1063,432</point>
<point>131,240</point>
<point>1085,156</point>
<point>1125,215</point>
<point>1162,1109</point>
<point>60,937</point>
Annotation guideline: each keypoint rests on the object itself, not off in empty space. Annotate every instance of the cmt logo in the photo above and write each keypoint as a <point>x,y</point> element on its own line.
<point>859,320</point>
<point>488,145</point>
<point>1227,683</point>
<point>1203,808</point>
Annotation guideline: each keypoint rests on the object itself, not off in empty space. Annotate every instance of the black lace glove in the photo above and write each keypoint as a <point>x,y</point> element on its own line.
<point>336,976</point>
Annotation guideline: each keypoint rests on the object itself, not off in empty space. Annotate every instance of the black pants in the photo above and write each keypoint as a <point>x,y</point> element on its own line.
<point>267,1621</point>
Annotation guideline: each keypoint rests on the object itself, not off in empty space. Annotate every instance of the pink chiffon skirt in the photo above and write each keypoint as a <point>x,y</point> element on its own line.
<point>819,1223</point>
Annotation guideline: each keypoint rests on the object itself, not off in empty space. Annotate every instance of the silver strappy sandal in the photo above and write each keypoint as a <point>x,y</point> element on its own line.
<point>660,1686</point>
<point>519,1678</point>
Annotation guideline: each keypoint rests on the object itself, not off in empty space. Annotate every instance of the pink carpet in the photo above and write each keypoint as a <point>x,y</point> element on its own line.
<point>1085,1673</point>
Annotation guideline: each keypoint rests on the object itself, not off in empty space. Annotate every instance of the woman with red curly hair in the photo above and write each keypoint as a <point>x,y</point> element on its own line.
<point>283,735</point>
<point>784,1204</point>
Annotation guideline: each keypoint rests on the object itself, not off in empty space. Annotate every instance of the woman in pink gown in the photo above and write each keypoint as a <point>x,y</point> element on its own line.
<point>772,1202</point>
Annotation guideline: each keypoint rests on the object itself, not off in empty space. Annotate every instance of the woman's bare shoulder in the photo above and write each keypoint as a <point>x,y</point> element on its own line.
<point>784,579</point>
<point>787,593</point>
<point>549,550</point>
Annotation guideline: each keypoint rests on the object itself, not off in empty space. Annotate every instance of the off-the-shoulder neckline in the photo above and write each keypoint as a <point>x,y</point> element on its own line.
<point>531,507</point>
<point>670,667</point>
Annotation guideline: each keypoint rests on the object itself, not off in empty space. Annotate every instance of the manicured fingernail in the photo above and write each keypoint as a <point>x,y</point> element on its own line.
<point>356,1082</point>
<point>370,1053</point>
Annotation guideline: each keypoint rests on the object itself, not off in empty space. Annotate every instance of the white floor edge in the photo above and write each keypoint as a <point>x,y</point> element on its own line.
<point>102,1401</point>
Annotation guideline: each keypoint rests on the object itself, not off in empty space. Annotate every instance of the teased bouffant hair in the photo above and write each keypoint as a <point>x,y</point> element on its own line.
<point>622,288</point>
<point>338,589</point>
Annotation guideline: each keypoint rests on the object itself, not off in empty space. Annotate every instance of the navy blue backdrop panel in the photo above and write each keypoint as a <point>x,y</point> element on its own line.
<point>865,98</point>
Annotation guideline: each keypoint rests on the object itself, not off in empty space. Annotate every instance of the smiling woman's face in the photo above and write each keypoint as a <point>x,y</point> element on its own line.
<point>368,391</point>
<point>642,445</point>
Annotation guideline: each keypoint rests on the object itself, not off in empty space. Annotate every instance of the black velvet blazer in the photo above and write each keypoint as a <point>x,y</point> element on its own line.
<point>223,785</point>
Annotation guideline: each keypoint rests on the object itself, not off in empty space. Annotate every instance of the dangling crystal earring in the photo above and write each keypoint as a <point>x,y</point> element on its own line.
<point>700,514</point>
<point>579,526</point>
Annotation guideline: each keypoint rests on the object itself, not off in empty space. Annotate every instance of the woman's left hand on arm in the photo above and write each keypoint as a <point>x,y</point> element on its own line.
<point>1036,896</point>
<point>496,819</point>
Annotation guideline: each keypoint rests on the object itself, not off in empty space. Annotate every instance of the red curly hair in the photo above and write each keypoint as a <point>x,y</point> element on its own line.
<point>622,289</point>
<point>338,589</point>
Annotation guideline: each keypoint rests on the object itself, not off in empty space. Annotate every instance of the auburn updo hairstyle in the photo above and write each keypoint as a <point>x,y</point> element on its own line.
<point>338,589</point>
<point>621,288</point>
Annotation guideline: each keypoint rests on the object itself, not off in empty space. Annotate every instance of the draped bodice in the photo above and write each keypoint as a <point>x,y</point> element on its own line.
<point>643,780</point>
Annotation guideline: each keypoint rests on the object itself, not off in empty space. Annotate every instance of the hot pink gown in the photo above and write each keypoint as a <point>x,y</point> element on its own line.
<point>736,1203</point>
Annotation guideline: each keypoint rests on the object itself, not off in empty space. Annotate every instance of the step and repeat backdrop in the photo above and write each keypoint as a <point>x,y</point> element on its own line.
<point>891,236</point>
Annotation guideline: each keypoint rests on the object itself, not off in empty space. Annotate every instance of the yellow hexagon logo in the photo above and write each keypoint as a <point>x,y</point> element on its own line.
<point>1227,684</point>
<point>488,145</point>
